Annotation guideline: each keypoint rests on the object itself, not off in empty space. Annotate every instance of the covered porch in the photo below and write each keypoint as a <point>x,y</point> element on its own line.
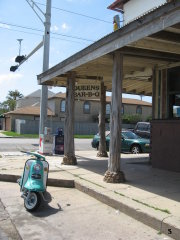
<point>136,59</point>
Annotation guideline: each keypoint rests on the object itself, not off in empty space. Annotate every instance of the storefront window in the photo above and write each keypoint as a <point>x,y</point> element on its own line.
<point>176,106</point>
<point>174,92</point>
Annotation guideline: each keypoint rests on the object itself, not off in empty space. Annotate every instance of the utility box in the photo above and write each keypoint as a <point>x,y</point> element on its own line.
<point>46,142</point>
<point>58,142</point>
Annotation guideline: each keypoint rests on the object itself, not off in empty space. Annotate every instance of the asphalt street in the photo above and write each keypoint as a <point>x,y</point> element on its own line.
<point>69,215</point>
<point>32,144</point>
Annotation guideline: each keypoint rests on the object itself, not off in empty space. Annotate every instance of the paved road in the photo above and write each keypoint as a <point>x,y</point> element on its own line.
<point>70,215</point>
<point>18,144</point>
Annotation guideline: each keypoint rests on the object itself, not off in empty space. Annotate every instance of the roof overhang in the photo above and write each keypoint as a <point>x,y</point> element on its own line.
<point>118,5</point>
<point>149,42</point>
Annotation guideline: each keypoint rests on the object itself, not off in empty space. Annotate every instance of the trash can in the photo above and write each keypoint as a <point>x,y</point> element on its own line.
<point>46,142</point>
<point>58,142</point>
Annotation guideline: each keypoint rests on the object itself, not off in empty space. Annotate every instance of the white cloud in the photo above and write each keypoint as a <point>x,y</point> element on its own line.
<point>12,59</point>
<point>4,25</point>
<point>54,28</point>
<point>10,76</point>
<point>64,26</point>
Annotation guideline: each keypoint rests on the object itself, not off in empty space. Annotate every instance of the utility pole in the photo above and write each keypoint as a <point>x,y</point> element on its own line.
<point>46,43</point>
<point>44,89</point>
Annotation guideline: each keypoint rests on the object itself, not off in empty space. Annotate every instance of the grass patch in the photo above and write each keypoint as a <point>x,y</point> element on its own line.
<point>75,175</point>
<point>155,208</point>
<point>83,136</point>
<point>121,194</point>
<point>14,134</point>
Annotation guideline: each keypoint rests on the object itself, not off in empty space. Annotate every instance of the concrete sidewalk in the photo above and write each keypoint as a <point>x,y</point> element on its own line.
<point>2,135</point>
<point>149,195</point>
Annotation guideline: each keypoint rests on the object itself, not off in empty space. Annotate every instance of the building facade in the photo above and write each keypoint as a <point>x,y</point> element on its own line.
<point>86,113</point>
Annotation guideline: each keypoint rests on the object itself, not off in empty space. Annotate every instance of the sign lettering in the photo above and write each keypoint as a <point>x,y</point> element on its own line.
<point>87,91</point>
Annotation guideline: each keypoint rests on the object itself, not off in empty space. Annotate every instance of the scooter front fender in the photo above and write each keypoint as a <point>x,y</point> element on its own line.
<point>34,185</point>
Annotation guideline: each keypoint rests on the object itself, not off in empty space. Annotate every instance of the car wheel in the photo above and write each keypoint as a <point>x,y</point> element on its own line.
<point>135,149</point>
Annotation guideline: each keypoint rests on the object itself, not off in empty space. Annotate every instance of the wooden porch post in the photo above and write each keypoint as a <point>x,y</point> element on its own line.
<point>102,143</point>
<point>114,175</point>
<point>69,153</point>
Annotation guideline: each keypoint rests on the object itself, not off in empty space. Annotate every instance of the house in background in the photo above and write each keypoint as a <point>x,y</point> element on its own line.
<point>88,111</point>
<point>31,99</point>
<point>25,118</point>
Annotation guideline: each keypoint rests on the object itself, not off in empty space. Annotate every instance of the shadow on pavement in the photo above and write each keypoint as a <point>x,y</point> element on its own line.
<point>139,173</point>
<point>45,210</point>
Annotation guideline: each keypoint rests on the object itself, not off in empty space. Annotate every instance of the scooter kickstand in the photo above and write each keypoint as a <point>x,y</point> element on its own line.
<point>42,195</point>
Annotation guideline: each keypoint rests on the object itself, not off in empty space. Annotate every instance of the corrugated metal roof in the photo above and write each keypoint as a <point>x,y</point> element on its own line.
<point>147,12</point>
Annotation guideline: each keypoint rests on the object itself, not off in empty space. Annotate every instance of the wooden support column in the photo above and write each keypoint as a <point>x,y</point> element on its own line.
<point>102,143</point>
<point>114,175</point>
<point>69,153</point>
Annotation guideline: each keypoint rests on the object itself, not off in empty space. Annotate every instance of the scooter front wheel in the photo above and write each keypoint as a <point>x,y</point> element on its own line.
<point>33,201</point>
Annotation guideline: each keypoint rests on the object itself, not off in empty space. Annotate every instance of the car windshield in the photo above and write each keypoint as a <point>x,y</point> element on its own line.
<point>130,135</point>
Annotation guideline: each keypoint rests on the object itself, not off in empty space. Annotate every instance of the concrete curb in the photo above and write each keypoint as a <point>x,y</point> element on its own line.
<point>51,181</point>
<point>133,210</point>
<point>159,221</point>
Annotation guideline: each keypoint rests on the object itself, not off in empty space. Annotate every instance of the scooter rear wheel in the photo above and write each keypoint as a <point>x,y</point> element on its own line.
<point>33,202</point>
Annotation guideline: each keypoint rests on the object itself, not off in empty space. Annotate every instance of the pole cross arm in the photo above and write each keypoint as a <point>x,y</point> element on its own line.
<point>22,59</point>
<point>32,4</point>
<point>32,52</point>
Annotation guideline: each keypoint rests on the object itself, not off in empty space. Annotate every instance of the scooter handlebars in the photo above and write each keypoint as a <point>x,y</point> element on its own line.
<point>37,155</point>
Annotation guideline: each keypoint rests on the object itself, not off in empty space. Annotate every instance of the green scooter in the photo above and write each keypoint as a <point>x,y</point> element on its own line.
<point>33,182</point>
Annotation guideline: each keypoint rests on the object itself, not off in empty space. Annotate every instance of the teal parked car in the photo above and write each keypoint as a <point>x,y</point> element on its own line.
<point>130,142</point>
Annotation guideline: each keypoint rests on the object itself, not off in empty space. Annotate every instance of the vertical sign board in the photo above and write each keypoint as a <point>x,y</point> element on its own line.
<point>87,91</point>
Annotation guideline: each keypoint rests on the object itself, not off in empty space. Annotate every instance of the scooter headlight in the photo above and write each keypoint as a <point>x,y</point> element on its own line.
<point>37,167</point>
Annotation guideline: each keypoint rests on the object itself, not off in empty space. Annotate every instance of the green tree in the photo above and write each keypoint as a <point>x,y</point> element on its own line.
<point>10,103</point>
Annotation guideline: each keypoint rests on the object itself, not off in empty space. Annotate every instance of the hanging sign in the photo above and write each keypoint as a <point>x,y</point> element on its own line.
<point>87,91</point>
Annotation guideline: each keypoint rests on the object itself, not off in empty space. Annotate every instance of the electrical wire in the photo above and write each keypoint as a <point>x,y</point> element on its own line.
<point>35,29</point>
<point>79,14</point>
<point>66,40</point>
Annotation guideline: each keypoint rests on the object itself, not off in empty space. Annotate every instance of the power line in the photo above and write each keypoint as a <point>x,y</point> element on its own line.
<point>35,29</point>
<point>75,13</point>
<point>66,40</point>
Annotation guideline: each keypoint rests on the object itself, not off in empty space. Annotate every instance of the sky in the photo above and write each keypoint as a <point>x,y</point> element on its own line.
<point>70,33</point>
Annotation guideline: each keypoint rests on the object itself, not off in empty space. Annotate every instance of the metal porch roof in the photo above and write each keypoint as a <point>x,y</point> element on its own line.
<point>148,42</point>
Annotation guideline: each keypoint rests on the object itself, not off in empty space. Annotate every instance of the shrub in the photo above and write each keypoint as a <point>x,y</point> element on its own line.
<point>131,119</point>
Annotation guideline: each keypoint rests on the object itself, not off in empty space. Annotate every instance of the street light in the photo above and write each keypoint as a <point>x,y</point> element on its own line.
<point>46,42</point>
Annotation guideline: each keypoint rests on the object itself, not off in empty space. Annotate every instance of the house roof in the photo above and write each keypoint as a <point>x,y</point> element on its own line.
<point>58,95</point>
<point>130,101</point>
<point>37,94</point>
<point>29,110</point>
<point>148,43</point>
